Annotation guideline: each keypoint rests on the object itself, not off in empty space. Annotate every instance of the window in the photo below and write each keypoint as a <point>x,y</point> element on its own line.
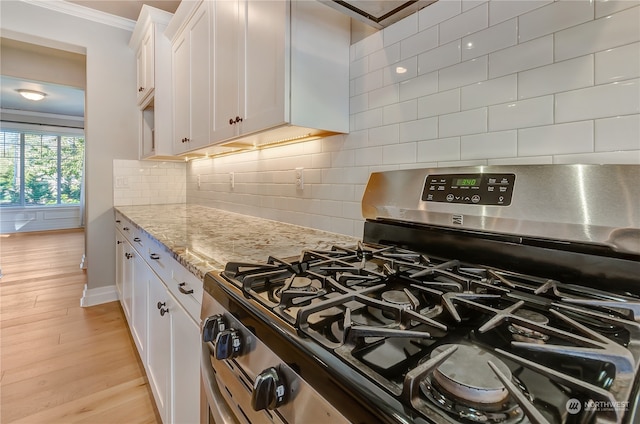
<point>40,168</point>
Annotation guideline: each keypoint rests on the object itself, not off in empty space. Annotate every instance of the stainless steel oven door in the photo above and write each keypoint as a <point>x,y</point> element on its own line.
<point>217,410</point>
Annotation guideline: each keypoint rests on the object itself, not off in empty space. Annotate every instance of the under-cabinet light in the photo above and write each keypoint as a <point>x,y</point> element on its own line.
<point>31,94</point>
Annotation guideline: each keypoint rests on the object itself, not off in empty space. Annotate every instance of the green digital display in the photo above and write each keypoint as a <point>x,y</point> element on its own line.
<point>466,182</point>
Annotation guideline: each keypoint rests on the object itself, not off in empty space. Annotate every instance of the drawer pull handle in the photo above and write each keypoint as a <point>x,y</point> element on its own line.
<point>136,239</point>
<point>183,290</point>
<point>119,242</point>
<point>117,221</point>
<point>154,256</point>
<point>125,228</point>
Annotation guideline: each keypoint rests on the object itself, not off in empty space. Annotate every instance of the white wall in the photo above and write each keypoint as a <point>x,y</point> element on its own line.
<point>111,126</point>
<point>137,182</point>
<point>545,82</point>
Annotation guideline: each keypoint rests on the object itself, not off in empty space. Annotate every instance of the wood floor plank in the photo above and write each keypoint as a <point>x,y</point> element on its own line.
<point>62,363</point>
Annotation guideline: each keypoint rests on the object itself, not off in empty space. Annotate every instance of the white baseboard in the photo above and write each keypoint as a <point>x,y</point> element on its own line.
<point>99,295</point>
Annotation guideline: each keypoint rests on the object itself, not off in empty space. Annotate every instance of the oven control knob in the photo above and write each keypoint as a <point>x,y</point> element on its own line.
<point>227,344</point>
<point>212,327</point>
<point>268,390</point>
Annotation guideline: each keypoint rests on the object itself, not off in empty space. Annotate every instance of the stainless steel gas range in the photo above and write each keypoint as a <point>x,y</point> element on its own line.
<point>500,294</point>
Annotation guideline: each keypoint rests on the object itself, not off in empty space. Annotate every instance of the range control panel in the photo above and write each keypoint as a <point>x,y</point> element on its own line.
<point>472,189</point>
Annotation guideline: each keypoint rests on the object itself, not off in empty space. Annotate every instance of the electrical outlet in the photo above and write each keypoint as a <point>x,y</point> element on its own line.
<point>299,178</point>
<point>122,182</point>
<point>232,179</point>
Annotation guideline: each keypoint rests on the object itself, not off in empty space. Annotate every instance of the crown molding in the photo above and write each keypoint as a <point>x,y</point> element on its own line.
<point>84,12</point>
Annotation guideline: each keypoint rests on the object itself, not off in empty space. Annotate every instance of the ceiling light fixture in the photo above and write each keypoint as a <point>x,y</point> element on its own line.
<point>31,94</point>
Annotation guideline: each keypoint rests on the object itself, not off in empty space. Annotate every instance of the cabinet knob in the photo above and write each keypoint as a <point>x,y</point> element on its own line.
<point>268,390</point>
<point>128,255</point>
<point>163,311</point>
<point>238,119</point>
<point>140,90</point>
<point>119,242</point>
<point>161,304</point>
<point>126,228</point>
<point>231,121</point>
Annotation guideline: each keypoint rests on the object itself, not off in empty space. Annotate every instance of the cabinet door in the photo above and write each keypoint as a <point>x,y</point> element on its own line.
<point>181,93</point>
<point>185,387</point>
<point>200,44</point>
<point>226,53</point>
<point>263,94</point>
<point>159,344</point>
<point>120,265</point>
<point>144,60</point>
<point>139,306</point>
<point>191,85</point>
<point>128,256</point>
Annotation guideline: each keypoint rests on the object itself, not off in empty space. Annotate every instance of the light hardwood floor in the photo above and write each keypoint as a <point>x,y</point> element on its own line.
<point>61,363</point>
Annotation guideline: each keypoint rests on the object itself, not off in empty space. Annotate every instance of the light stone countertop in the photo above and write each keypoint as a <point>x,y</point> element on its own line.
<point>204,239</point>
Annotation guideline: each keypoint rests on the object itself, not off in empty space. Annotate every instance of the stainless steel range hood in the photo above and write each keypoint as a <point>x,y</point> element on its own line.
<point>378,13</point>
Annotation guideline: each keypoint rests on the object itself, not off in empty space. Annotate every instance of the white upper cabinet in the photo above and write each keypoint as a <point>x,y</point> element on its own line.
<point>278,71</point>
<point>153,58</point>
<point>191,47</point>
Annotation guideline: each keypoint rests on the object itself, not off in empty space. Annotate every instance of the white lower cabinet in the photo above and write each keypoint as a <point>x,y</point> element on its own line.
<point>159,348</point>
<point>166,334</point>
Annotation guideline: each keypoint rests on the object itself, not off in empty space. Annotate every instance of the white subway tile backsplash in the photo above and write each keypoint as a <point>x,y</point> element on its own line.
<point>383,96</point>
<point>359,67</point>
<point>368,45</point>
<point>522,160</point>
<point>554,17</point>
<point>369,156</point>
<point>555,78</point>
<point>489,40</point>
<point>489,145</point>
<point>419,43</point>
<point>617,133</point>
<point>399,31</point>
<point>385,57</point>
<point>500,11</point>
<point>464,24</point>
<point>401,71</point>
<point>607,7</point>
<point>418,130</point>
<point>468,122</point>
<point>521,57</point>
<point>438,12</point>
<point>368,119</point>
<point>439,104</point>
<point>464,73</point>
<point>389,134</point>
<point>400,112</point>
<point>420,86</point>
<point>574,137</point>
<point>439,150</point>
<point>470,4</point>
<point>359,103</point>
<point>490,92</point>
<point>441,57</point>
<point>399,153</point>
<point>601,101</point>
<point>618,64</point>
<point>368,82</point>
<point>521,114</point>
<point>604,33</point>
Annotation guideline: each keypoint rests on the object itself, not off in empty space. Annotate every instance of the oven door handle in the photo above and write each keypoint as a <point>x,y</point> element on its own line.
<point>217,404</point>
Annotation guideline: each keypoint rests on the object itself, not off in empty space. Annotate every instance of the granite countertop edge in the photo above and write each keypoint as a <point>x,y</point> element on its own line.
<point>204,239</point>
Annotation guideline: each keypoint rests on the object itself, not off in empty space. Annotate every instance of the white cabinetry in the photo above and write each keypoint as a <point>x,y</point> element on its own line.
<point>153,58</point>
<point>278,71</point>
<point>191,85</point>
<point>161,300</point>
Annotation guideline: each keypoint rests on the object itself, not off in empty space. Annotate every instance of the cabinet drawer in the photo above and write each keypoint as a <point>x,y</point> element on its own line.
<point>184,286</point>
<point>133,234</point>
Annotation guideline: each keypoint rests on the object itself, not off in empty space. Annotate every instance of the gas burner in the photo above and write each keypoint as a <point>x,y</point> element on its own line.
<point>296,291</point>
<point>522,333</point>
<point>466,386</point>
<point>397,297</point>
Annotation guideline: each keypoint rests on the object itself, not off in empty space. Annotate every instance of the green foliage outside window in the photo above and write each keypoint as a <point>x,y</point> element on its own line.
<point>51,166</point>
